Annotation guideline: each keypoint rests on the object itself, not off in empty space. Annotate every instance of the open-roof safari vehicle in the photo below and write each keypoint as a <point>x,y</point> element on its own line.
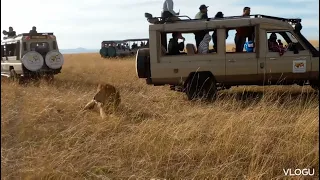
<point>109,48</point>
<point>30,56</point>
<point>203,74</point>
<point>122,47</point>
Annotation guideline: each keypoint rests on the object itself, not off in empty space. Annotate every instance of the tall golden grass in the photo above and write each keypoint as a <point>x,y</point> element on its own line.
<point>248,133</point>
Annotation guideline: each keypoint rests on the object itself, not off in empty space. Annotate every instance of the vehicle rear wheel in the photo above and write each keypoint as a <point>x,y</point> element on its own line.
<point>143,63</point>
<point>201,87</point>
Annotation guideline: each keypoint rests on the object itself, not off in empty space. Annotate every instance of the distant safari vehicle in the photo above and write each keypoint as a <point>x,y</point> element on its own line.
<point>30,55</point>
<point>121,48</point>
<point>109,48</point>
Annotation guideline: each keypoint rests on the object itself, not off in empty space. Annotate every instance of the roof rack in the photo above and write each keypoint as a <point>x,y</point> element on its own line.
<point>113,41</point>
<point>160,20</point>
<point>292,20</point>
<point>27,34</point>
<point>141,39</point>
<point>34,34</point>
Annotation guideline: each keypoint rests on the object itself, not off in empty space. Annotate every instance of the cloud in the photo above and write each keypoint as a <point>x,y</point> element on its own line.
<point>86,23</point>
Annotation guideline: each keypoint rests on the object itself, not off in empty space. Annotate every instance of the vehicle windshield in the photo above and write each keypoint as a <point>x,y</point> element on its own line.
<point>40,47</point>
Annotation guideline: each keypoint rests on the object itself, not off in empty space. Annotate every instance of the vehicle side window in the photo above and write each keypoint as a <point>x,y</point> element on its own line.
<point>241,39</point>
<point>284,40</point>
<point>40,47</point>
<point>188,43</point>
<point>2,51</point>
<point>11,49</point>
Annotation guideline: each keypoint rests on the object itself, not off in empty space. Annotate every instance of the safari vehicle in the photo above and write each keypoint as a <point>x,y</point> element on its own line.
<point>201,75</point>
<point>112,48</point>
<point>30,56</point>
<point>122,47</point>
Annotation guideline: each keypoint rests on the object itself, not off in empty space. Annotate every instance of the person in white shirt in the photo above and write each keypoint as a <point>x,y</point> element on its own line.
<point>168,10</point>
<point>204,44</point>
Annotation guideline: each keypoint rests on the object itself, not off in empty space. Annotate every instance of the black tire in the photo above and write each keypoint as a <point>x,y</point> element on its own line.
<point>143,63</point>
<point>315,87</point>
<point>104,52</point>
<point>201,86</point>
<point>112,51</point>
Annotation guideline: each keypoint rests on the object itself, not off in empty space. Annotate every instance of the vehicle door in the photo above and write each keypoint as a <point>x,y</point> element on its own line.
<point>241,67</point>
<point>293,65</point>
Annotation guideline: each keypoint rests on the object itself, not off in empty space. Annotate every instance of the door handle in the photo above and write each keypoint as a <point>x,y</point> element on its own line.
<point>232,60</point>
<point>273,58</point>
<point>299,58</point>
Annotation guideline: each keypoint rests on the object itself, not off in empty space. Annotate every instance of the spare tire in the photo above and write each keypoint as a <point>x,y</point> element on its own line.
<point>54,59</point>
<point>143,63</point>
<point>104,52</point>
<point>112,52</point>
<point>32,61</point>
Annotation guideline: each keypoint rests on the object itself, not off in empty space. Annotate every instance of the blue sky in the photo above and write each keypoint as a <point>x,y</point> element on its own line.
<point>85,23</point>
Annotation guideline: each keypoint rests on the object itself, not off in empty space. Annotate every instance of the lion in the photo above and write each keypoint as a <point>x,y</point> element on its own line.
<point>106,96</point>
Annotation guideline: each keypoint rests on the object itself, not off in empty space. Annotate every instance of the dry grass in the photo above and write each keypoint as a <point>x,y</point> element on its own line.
<point>249,133</point>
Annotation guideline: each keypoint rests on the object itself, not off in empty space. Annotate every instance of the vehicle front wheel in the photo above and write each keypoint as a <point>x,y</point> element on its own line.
<point>201,87</point>
<point>315,86</point>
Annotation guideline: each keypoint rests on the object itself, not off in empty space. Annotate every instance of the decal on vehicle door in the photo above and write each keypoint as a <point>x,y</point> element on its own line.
<point>299,66</point>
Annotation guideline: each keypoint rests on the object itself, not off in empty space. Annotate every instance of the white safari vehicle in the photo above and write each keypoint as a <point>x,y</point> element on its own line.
<point>267,61</point>
<point>30,56</point>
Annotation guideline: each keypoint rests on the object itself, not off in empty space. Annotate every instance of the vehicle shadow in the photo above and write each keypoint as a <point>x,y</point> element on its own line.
<point>132,115</point>
<point>247,98</point>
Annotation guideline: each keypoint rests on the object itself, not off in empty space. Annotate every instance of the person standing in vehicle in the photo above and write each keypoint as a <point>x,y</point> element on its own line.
<point>11,32</point>
<point>214,34</point>
<point>167,10</point>
<point>33,30</point>
<point>243,32</point>
<point>174,46</point>
<point>202,14</point>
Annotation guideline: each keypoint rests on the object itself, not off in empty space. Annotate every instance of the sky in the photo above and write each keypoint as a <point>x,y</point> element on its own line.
<point>85,23</point>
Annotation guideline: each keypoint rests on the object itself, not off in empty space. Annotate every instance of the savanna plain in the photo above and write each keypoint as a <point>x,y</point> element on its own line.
<point>250,132</point>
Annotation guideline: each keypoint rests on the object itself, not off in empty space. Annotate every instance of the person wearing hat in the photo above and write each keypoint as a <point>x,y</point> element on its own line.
<point>203,13</point>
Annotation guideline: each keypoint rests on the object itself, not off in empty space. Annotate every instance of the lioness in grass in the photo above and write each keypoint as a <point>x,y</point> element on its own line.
<point>106,96</point>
